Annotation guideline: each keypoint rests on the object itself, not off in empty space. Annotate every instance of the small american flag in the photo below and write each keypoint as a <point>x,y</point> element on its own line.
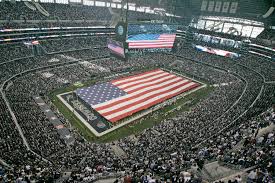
<point>151,41</point>
<point>116,49</point>
<point>123,97</point>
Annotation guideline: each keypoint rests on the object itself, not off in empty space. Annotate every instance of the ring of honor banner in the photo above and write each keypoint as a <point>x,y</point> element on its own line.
<point>121,31</point>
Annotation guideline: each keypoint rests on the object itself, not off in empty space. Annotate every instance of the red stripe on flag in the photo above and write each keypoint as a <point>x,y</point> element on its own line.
<point>129,77</point>
<point>153,42</point>
<point>138,82</point>
<point>152,46</point>
<point>142,87</point>
<point>163,74</point>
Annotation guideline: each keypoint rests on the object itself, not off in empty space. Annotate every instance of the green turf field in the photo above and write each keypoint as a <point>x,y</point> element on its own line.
<point>136,127</point>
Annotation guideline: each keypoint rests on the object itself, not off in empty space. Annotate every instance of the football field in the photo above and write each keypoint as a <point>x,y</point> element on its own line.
<point>106,106</point>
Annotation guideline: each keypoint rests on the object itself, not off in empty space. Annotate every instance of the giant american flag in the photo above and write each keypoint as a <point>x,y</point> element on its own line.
<point>123,97</point>
<point>151,41</point>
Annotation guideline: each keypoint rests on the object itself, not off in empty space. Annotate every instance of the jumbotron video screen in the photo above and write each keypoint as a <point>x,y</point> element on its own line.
<point>151,37</point>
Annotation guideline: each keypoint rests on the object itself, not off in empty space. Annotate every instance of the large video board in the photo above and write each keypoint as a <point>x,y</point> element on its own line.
<point>151,36</point>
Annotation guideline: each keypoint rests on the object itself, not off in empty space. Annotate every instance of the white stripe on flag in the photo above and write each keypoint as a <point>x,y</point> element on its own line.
<point>148,83</point>
<point>152,46</point>
<point>137,77</point>
<point>151,41</point>
<point>148,43</point>
<point>143,80</point>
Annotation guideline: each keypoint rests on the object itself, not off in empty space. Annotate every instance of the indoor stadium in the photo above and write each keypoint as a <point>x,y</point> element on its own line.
<point>137,91</point>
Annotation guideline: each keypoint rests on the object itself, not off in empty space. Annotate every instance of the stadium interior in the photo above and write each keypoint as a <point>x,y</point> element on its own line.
<point>137,91</point>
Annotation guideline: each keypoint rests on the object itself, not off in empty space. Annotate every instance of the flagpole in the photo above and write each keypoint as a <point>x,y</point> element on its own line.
<point>127,8</point>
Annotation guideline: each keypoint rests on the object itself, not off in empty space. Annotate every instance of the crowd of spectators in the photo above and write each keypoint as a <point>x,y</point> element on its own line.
<point>261,65</point>
<point>59,15</point>
<point>13,51</point>
<point>257,148</point>
<point>59,45</point>
<point>209,131</point>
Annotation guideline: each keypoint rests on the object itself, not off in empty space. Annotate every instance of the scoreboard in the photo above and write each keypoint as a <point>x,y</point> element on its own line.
<point>140,37</point>
<point>151,37</point>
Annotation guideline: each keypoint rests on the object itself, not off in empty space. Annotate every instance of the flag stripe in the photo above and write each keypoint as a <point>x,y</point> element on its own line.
<point>140,76</point>
<point>169,37</point>
<point>147,104</point>
<point>137,92</point>
<point>140,99</point>
<point>152,41</point>
<point>146,95</point>
<point>148,84</point>
<point>153,46</point>
<point>150,44</point>
<point>149,79</point>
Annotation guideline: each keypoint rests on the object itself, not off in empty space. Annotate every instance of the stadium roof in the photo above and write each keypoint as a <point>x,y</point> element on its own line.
<point>260,10</point>
<point>234,26</point>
